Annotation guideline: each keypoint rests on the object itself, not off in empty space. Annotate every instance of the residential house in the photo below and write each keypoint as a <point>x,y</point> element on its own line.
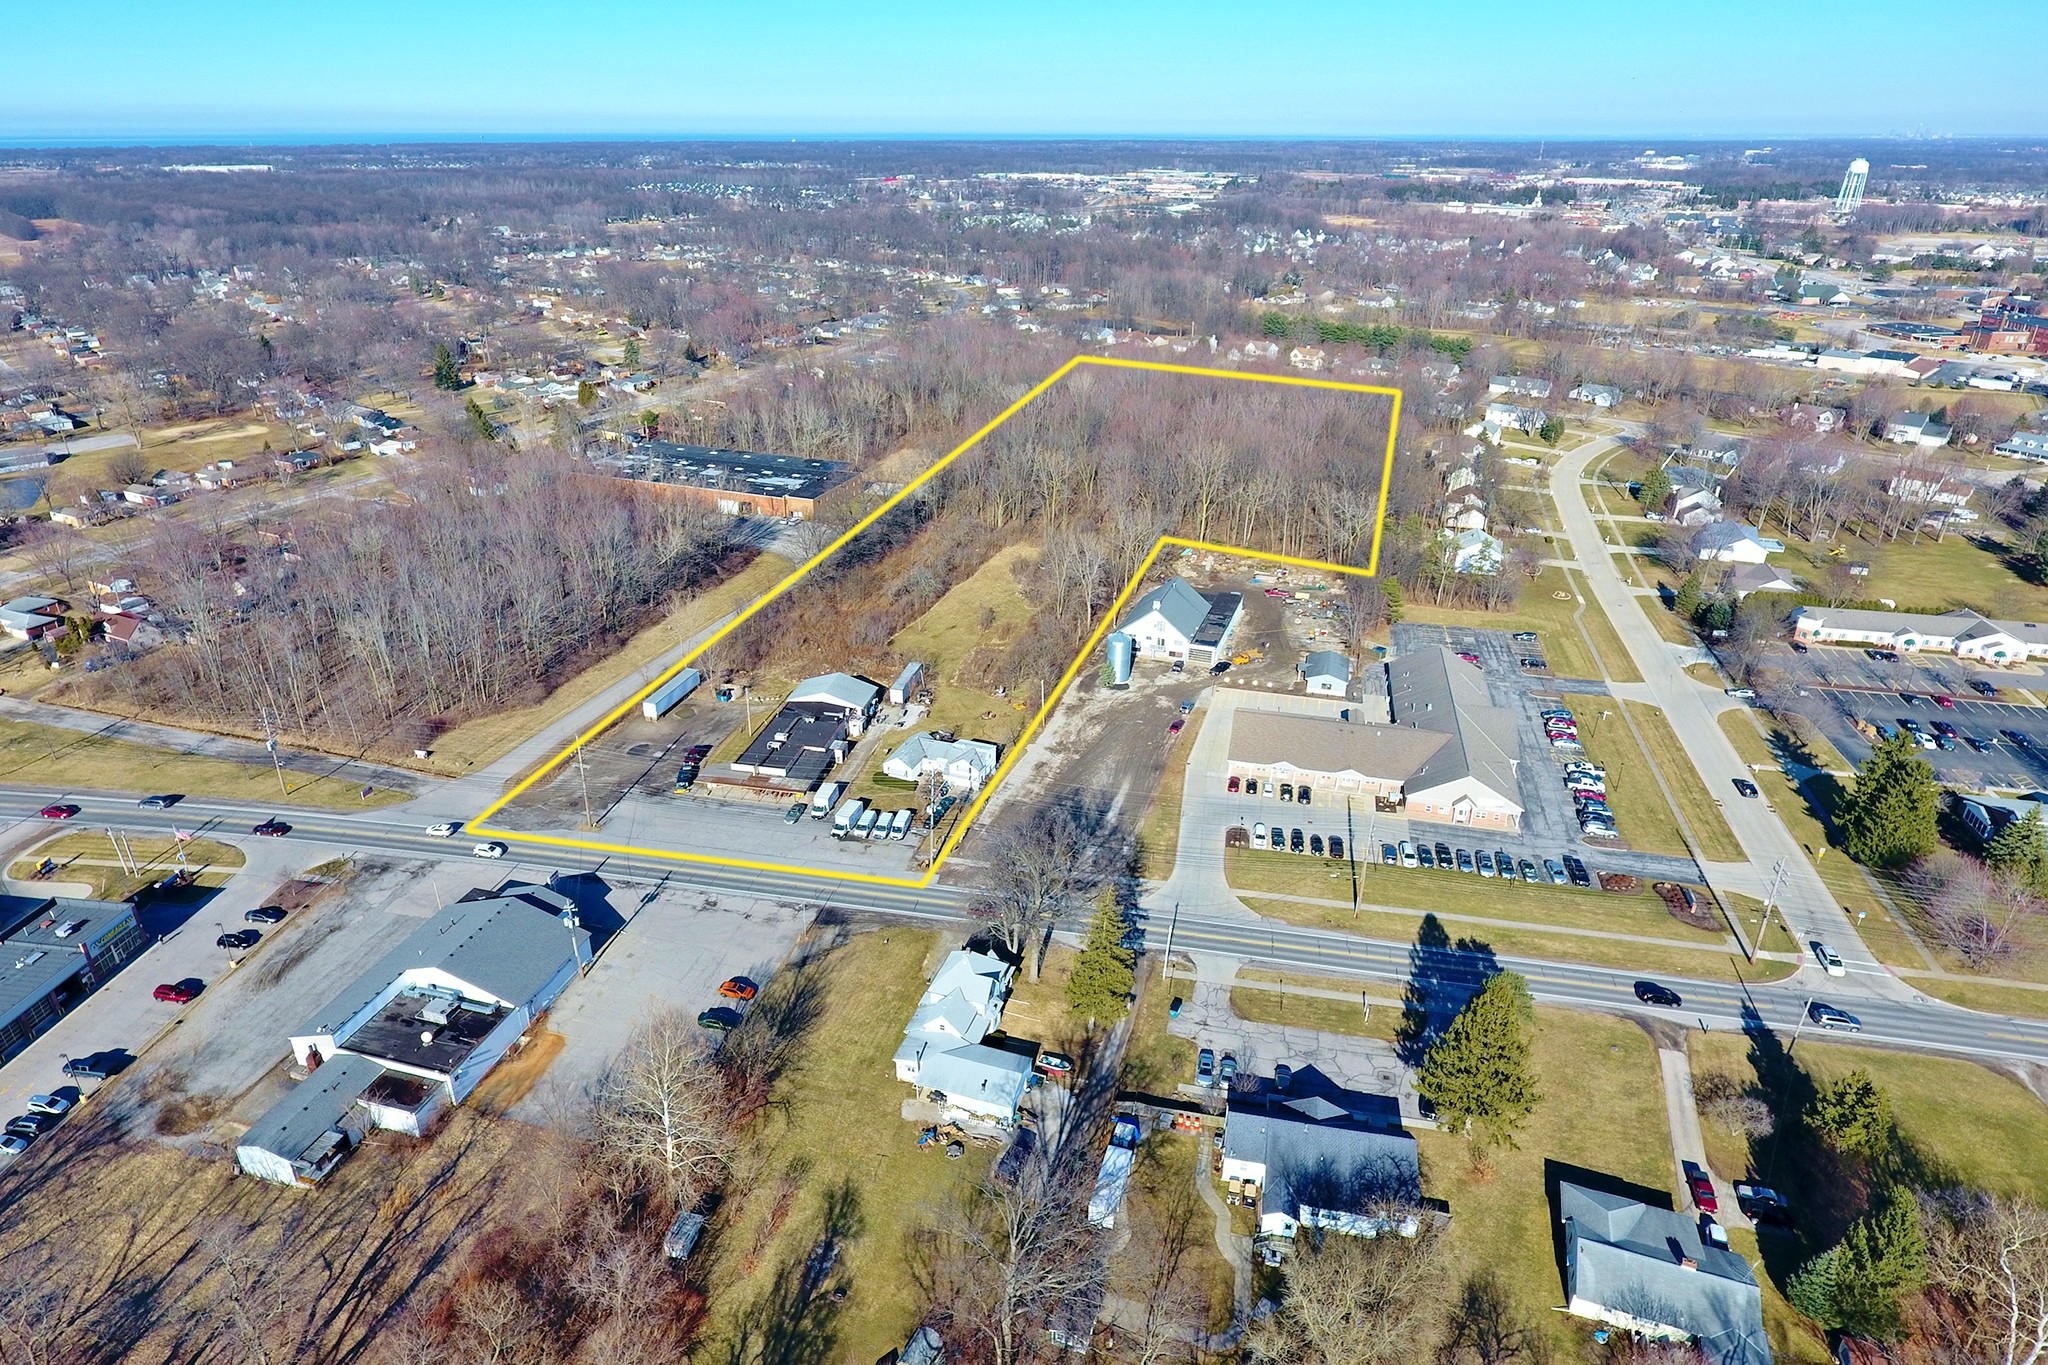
<point>1814,418</point>
<point>1599,395</point>
<point>31,618</point>
<point>1934,491</point>
<point>1520,385</point>
<point>964,764</point>
<point>1474,552</point>
<point>1650,1271</point>
<point>1813,293</point>
<point>943,1053</point>
<point>1327,673</point>
<point>1964,633</point>
<point>1175,621</point>
<point>1695,495</point>
<point>1729,542</point>
<point>1318,1163</point>
<point>2025,445</point>
<point>1743,579</point>
<point>1515,417</point>
<point>1917,428</point>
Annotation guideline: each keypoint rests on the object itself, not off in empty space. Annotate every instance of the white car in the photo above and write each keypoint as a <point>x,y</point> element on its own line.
<point>447,829</point>
<point>60,1105</point>
<point>493,849</point>
<point>1829,961</point>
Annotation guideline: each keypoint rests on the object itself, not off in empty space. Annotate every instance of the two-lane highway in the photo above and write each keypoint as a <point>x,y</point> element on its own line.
<point>1447,976</point>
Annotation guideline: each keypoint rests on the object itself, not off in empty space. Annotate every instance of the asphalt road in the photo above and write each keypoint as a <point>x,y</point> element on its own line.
<point>1910,1022</point>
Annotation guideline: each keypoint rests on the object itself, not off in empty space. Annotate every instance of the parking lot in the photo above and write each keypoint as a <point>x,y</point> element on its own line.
<point>1835,685</point>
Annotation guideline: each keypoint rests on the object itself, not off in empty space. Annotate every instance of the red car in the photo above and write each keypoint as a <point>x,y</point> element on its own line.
<point>1468,658</point>
<point>1232,785</point>
<point>59,812</point>
<point>1945,701</point>
<point>1702,1187</point>
<point>739,988</point>
<point>178,992</point>
<point>1175,728</point>
<point>273,827</point>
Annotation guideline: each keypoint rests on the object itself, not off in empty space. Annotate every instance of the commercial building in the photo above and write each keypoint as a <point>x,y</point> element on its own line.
<point>810,734</point>
<point>1176,621</point>
<point>1964,633</point>
<point>942,1053</point>
<point>54,953</point>
<point>1449,756</point>
<point>1649,1271</point>
<point>741,483</point>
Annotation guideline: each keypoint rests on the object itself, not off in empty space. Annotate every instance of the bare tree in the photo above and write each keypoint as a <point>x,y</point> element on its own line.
<point>1175,1306</point>
<point>1040,868</point>
<point>1484,1327</point>
<point>665,1119</point>
<point>1733,1106</point>
<point>247,1304</point>
<point>1989,1259</point>
<point>1977,911</point>
<point>1358,1300</point>
<point>43,1319</point>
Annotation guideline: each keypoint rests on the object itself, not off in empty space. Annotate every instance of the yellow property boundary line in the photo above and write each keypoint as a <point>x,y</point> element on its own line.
<point>1053,696</point>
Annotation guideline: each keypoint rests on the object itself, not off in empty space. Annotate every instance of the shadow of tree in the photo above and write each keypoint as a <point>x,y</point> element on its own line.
<point>1442,976</point>
<point>795,1321</point>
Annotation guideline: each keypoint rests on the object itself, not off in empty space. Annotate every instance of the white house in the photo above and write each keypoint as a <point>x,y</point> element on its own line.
<point>1473,552</point>
<point>1744,579</point>
<point>964,763</point>
<point>1515,416</point>
<point>942,1053</point>
<point>1520,385</point>
<point>1327,673</point>
<point>1599,395</point>
<point>1936,490</point>
<point>1917,428</point>
<point>1962,632</point>
<point>1175,621</point>
<point>2025,445</point>
<point>1729,542</point>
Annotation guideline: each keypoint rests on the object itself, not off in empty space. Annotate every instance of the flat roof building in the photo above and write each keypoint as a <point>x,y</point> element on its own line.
<point>742,483</point>
<point>54,953</point>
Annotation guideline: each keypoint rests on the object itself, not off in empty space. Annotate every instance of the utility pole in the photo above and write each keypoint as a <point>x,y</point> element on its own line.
<point>583,775</point>
<point>1770,901</point>
<point>270,743</point>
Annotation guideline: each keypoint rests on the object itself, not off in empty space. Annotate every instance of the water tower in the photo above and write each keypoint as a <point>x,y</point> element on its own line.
<point>1853,182</point>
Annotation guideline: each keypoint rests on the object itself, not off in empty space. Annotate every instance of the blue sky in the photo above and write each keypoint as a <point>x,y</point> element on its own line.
<point>171,70</point>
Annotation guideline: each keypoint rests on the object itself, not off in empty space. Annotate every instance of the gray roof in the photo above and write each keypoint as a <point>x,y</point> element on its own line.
<point>838,689</point>
<point>1327,663</point>
<point>1721,534</point>
<point>508,946</point>
<point>34,960</point>
<point>1316,1153</point>
<point>1961,624</point>
<point>315,1105</point>
<point>1433,689</point>
<point>1631,1258</point>
<point>1325,744</point>
<point>1176,600</point>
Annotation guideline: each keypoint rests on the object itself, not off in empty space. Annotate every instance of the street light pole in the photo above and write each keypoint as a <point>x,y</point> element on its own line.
<point>1770,902</point>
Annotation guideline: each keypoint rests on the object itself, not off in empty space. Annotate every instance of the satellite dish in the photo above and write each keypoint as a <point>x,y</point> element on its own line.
<point>426,1037</point>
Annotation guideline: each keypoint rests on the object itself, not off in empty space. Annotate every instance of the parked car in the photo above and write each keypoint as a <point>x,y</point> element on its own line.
<point>738,988</point>
<point>1226,1069</point>
<point>447,829</point>
<point>61,811</point>
<point>177,992</point>
<point>1286,791</point>
<point>1295,842</point>
<point>59,1104</point>
<point>163,802</point>
<point>1576,870</point>
<point>1205,1067</point>
<point>1283,1076</point>
<point>1942,727</point>
<point>272,828</point>
<point>1232,786</point>
<point>1910,698</point>
<point>1390,856</point>
<point>1701,1186</point>
<point>1556,874</point>
<point>1336,843</point>
<point>239,940</point>
<point>1830,962</point>
<point>31,1126</point>
<point>1944,701</point>
<point>1763,1204</point>
<point>1524,637</point>
<point>490,849</point>
<point>1258,834</point>
<point>900,823</point>
<point>1407,851</point>
<point>797,811</point>
<point>719,1019</point>
<point>1315,845</point>
<point>264,914</point>
<point>1443,855</point>
<point>1529,871</point>
<point>1827,1016</point>
<point>1650,993</point>
<point>1741,693</point>
<point>1301,795</point>
<point>1423,857</point>
<point>94,1066</point>
<point>1745,786</point>
<point>1982,688</point>
<point>1465,861</point>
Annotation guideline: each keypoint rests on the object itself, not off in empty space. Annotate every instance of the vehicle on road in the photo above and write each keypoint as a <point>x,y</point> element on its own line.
<point>61,811</point>
<point>272,828</point>
<point>1187,707</point>
<point>490,849</point>
<point>94,1066</point>
<point>178,992</point>
<point>1746,787</point>
<point>1829,961</point>
<point>264,914</point>
<point>1741,693</point>
<point>1827,1016</point>
<point>1650,993</point>
<point>163,802</point>
<point>58,1103</point>
<point>738,988</point>
<point>447,829</point>
<point>719,1019</point>
<point>239,940</point>
<point>1179,723</point>
<point>1205,1067</point>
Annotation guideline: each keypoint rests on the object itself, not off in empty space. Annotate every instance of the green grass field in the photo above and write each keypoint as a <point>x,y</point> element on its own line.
<point>1644,815</point>
<point>1702,812</point>
<point>89,857</point>
<point>1958,572</point>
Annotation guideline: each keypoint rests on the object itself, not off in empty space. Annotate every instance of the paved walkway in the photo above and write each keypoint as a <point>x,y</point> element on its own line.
<point>1687,1146</point>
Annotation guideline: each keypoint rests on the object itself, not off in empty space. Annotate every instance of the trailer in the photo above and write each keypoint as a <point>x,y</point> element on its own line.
<point>659,702</point>
<point>907,683</point>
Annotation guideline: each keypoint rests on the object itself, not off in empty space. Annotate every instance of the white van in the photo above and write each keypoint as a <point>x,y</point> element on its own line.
<point>868,820</point>
<point>900,826</point>
<point>851,812</point>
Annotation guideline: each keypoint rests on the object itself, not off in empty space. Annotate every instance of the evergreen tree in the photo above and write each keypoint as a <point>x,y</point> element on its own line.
<point>586,393</point>
<point>446,374</point>
<point>1888,817</point>
<point>1853,1115</point>
<point>2020,850</point>
<point>1551,431</point>
<point>1881,1260</point>
<point>1392,588</point>
<point>1814,1288</point>
<point>632,356</point>
<point>480,421</point>
<point>1686,601</point>
<point>1106,972</point>
<point>1477,1074</point>
<point>1653,488</point>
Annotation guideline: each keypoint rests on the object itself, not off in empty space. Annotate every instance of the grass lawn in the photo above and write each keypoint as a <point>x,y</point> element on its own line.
<point>1163,1190</point>
<point>1620,666</point>
<point>1038,1009</point>
<point>1159,830</point>
<point>1316,1012</point>
<point>949,637</point>
<point>1961,571</point>
<point>1997,1141</point>
<point>89,857</point>
<point>476,743</point>
<point>1602,1110</point>
<point>833,1128</point>
<point>1644,815</point>
<point>1708,962</point>
<point>46,756</point>
<point>1154,1060</point>
<point>1702,812</point>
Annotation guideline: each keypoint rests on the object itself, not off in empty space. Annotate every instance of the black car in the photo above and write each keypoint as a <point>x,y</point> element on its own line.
<point>238,939</point>
<point>1977,746</point>
<point>2017,737</point>
<point>1336,846</point>
<point>32,1126</point>
<point>1745,786</point>
<point>1423,857</point>
<point>1910,698</point>
<point>1650,993</point>
<point>1576,870</point>
<point>1983,688</point>
<point>1295,842</point>
<point>1220,666</point>
<point>273,827</point>
<point>719,1018</point>
<point>1443,856</point>
<point>265,914</point>
<point>164,802</point>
